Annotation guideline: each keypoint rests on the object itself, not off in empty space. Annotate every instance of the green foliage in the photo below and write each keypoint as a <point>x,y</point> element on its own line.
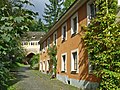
<point>14,20</point>
<point>37,26</point>
<point>4,76</point>
<point>52,13</point>
<point>34,60</point>
<point>102,39</point>
<point>67,4</point>
<point>52,52</point>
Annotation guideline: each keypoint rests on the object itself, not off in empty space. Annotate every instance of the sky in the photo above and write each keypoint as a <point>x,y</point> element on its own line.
<point>39,6</point>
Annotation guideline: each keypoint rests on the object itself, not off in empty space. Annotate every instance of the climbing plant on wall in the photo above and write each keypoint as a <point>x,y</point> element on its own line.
<point>52,52</point>
<point>102,39</point>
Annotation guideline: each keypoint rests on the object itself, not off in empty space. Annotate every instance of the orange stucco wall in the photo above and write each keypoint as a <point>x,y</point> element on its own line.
<point>72,43</point>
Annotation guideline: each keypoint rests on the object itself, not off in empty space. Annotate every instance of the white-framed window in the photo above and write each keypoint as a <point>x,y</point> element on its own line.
<point>64,62</point>
<point>74,60</point>
<point>47,65</point>
<point>43,65</point>
<point>48,42</point>
<point>64,31</point>
<point>91,10</point>
<point>44,45</point>
<point>55,38</point>
<point>74,24</point>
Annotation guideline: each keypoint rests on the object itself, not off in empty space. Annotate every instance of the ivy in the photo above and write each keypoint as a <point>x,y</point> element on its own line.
<point>52,52</point>
<point>102,39</point>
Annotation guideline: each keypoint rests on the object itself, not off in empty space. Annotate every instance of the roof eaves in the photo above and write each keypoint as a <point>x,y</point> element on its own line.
<point>71,10</point>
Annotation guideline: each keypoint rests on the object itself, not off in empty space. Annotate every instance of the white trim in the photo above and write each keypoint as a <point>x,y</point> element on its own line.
<point>62,64</point>
<point>118,2</point>
<point>44,65</point>
<point>47,65</point>
<point>65,24</point>
<point>72,63</point>
<point>40,67</point>
<point>54,38</point>
<point>75,15</point>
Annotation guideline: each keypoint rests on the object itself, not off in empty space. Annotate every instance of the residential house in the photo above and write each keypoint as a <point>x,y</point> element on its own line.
<point>30,42</point>
<point>73,65</point>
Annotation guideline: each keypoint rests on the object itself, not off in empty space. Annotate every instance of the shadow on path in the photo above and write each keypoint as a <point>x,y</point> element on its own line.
<point>27,79</point>
<point>18,76</point>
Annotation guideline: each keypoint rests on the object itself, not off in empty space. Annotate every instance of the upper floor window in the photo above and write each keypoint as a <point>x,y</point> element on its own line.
<point>64,32</point>
<point>55,38</point>
<point>91,10</point>
<point>48,42</point>
<point>74,24</point>
<point>74,60</point>
<point>25,43</point>
<point>64,62</point>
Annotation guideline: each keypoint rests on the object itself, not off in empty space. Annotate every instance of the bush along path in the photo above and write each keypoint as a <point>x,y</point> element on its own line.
<point>27,79</point>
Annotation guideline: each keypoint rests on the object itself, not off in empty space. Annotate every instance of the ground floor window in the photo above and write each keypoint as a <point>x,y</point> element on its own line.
<point>74,60</point>
<point>64,62</point>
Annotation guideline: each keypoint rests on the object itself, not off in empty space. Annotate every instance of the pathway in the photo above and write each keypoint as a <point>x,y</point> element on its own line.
<point>35,80</point>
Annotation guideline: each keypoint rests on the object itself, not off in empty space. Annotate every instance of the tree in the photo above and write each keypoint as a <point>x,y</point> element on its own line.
<point>14,20</point>
<point>67,4</point>
<point>52,13</point>
<point>102,39</point>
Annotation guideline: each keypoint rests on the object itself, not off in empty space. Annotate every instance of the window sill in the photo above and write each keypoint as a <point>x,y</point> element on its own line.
<point>62,71</point>
<point>74,34</point>
<point>63,40</point>
<point>73,72</point>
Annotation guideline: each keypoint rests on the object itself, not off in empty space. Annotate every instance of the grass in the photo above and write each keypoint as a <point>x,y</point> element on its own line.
<point>54,81</point>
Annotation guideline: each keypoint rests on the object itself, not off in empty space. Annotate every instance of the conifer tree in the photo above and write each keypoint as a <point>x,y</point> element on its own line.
<point>52,13</point>
<point>67,4</point>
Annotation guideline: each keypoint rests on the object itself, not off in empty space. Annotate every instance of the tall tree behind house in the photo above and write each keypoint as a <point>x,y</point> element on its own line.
<point>52,13</point>
<point>67,4</point>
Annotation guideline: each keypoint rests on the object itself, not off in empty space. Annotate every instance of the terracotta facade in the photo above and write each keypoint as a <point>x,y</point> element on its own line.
<point>67,48</point>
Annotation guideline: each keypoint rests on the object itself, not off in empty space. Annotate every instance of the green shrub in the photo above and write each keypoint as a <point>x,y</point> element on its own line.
<point>34,60</point>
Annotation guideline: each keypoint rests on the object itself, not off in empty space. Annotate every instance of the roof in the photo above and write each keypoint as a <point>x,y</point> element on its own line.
<point>32,36</point>
<point>73,8</point>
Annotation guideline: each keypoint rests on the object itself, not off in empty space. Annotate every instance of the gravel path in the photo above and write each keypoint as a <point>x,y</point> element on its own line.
<point>35,80</point>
